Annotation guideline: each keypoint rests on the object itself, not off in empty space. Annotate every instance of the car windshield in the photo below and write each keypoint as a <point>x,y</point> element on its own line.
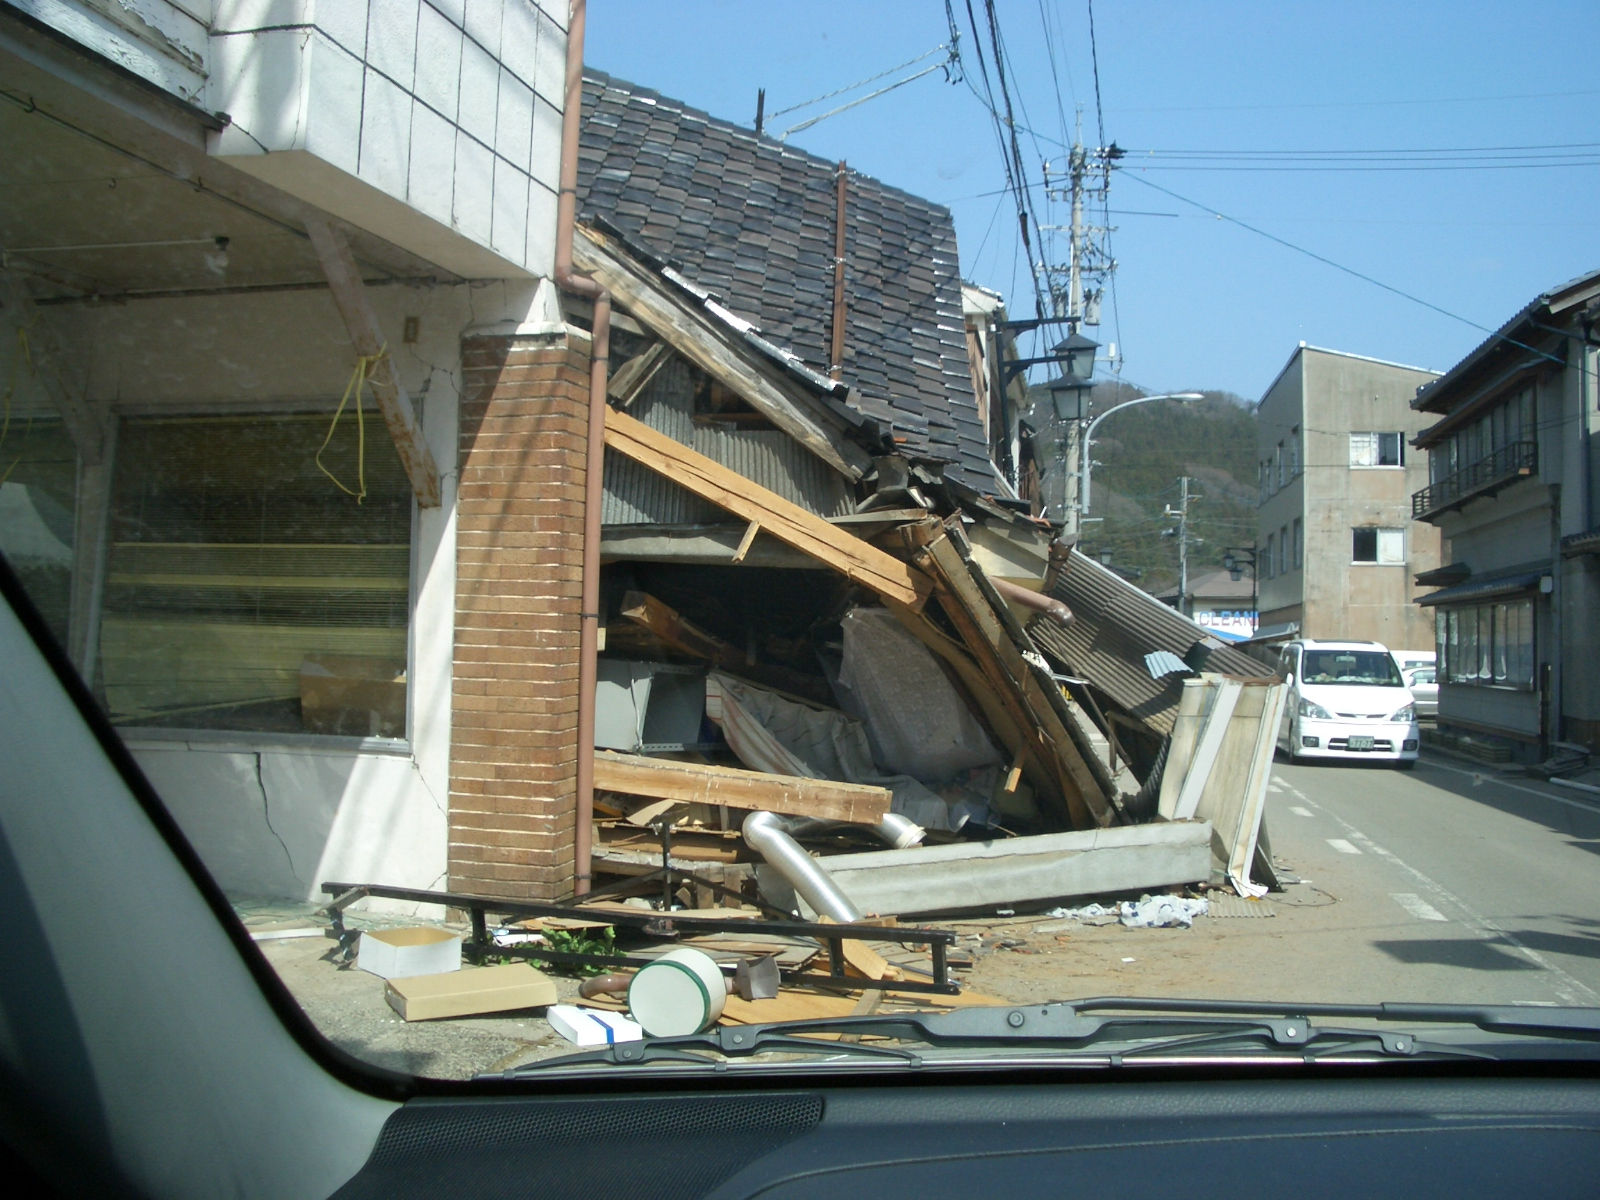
<point>686,516</point>
<point>1369,668</point>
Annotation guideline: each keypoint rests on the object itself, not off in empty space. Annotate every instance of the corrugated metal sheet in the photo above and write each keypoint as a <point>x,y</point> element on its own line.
<point>636,495</point>
<point>1115,625</point>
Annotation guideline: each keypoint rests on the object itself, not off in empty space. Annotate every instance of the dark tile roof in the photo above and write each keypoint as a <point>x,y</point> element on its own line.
<point>752,220</point>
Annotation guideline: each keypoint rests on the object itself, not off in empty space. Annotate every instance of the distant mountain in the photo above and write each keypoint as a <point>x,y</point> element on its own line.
<point>1140,457</point>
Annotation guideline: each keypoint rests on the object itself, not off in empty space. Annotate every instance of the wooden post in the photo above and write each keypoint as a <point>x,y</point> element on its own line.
<point>344,280</point>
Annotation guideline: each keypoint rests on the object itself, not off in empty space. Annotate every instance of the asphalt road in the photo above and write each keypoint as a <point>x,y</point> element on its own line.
<point>1452,882</point>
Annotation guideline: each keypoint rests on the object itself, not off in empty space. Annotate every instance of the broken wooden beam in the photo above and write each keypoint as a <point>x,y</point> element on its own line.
<point>701,783</point>
<point>361,322</point>
<point>691,333</point>
<point>860,561</point>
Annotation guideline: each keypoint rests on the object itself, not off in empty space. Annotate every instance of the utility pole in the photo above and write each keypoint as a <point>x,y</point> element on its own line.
<point>1089,261</point>
<point>1182,534</point>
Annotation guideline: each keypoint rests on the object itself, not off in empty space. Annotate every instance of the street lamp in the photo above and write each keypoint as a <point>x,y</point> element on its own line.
<point>1236,560</point>
<point>1088,439</point>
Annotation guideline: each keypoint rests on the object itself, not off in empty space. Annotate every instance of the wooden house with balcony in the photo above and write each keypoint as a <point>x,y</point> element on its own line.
<point>1512,483</point>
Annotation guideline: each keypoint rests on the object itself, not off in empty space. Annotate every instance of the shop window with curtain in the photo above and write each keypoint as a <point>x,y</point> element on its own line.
<point>38,490</point>
<point>1488,645</point>
<point>246,587</point>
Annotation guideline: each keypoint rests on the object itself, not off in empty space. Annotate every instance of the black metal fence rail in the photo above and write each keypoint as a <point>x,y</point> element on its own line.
<point>657,924</point>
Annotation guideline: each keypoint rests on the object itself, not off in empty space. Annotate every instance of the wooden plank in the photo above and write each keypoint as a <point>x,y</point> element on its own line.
<point>992,647</point>
<point>699,783</point>
<point>860,561</point>
<point>745,542</point>
<point>692,334</point>
<point>633,376</point>
<point>350,295</point>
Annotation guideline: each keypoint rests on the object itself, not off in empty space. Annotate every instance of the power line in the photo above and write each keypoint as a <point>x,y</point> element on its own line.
<point>1326,261</point>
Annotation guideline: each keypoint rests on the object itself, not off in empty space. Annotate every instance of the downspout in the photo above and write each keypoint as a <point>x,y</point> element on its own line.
<point>580,285</point>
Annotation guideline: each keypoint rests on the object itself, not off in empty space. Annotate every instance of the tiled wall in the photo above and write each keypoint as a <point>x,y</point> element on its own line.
<point>452,107</point>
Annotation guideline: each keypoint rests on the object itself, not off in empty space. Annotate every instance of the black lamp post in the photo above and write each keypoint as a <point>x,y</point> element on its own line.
<point>1236,560</point>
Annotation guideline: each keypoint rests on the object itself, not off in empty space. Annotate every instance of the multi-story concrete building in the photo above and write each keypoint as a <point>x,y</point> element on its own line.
<point>1512,490</point>
<point>1336,549</point>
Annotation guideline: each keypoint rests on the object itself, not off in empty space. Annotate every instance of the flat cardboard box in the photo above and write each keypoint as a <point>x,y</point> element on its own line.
<point>470,991</point>
<point>413,950</point>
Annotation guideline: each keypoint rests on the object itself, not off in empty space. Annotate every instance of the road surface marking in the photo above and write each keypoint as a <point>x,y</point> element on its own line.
<point>1479,779</point>
<point>1342,846</point>
<point>1568,989</point>
<point>1300,812</point>
<point>1417,906</point>
<point>1274,786</point>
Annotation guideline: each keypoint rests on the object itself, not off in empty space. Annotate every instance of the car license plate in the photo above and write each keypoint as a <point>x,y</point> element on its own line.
<point>1359,743</point>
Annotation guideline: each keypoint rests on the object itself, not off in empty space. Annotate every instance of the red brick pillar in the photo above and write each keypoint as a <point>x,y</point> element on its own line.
<point>519,554</point>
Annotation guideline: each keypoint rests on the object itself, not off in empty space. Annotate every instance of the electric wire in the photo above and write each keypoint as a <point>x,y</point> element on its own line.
<point>1351,271</point>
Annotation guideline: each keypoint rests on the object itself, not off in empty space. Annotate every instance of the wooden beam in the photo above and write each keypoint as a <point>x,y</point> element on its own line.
<point>698,783</point>
<point>692,334</point>
<point>633,376</point>
<point>861,562</point>
<point>986,637</point>
<point>746,541</point>
<point>85,423</point>
<point>344,280</point>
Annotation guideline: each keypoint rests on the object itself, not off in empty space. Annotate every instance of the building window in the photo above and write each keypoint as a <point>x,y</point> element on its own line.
<point>1299,544</point>
<point>1386,547</point>
<point>1278,463</point>
<point>244,589</point>
<point>1487,645</point>
<point>1294,453</point>
<point>1481,456</point>
<point>1377,450</point>
<point>1270,560</point>
<point>1283,550</point>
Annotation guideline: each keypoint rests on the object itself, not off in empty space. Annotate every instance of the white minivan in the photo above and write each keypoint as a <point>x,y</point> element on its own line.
<point>1346,700</point>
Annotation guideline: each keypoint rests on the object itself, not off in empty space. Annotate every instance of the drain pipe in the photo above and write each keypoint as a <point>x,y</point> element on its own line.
<point>1028,598</point>
<point>580,285</point>
<point>768,834</point>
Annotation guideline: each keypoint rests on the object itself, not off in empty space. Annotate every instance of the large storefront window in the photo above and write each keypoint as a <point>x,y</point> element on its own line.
<point>1488,645</point>
<point>38,487</point>
<point>245,590</point>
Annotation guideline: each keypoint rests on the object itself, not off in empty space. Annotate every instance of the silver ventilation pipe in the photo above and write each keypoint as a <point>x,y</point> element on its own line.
<point>768,834</point>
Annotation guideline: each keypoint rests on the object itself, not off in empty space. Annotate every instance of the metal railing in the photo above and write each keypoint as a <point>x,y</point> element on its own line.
<point>1510,462</point>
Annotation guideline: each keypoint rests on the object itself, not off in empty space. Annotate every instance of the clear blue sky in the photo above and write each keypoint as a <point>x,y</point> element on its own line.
<point>1201,302</point>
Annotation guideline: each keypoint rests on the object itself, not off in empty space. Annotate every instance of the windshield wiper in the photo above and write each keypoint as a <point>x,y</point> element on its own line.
<point>1118,1029</point>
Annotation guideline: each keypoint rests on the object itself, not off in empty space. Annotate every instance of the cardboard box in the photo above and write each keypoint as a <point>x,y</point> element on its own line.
<point>414,950</point>
<point>470,991</point>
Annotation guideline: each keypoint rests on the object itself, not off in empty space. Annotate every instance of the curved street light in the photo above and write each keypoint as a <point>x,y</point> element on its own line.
<point>1088,440</point>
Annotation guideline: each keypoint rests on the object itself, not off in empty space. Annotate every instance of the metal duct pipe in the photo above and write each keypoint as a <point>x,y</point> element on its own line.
<point>768,835</point>
<point>1028,598</point>
<point>895,831</point>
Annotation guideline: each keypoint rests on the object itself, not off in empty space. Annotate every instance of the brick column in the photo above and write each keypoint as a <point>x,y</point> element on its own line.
<point>519,548</point>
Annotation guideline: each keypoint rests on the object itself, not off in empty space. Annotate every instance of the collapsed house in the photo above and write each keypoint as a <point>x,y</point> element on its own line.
<point>819,581</point>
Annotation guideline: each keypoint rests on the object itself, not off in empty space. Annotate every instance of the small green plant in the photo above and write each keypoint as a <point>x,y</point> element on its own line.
<point>582,941</point>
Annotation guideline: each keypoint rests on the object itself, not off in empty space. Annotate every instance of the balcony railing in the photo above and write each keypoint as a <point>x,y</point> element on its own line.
<point>1484,477</point>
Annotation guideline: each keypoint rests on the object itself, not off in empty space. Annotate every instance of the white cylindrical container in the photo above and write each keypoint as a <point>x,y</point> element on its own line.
<point>681,992</point>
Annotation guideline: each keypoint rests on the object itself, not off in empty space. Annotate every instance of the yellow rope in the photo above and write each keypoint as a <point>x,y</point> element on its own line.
<point>358,380</point>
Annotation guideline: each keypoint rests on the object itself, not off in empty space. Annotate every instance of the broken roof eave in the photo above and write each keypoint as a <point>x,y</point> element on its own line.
<point>700,329</point>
